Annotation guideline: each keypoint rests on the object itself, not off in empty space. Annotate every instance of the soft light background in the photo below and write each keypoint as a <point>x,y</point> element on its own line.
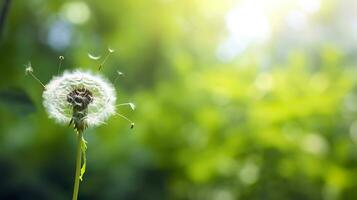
<point>236,99</point>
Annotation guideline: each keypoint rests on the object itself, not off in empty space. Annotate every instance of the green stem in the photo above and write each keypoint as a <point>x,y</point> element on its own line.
<point>78,166</point>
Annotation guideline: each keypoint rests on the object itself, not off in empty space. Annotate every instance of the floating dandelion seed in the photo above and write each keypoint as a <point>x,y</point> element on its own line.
<point>29,70</point>
<point>132,106</point>
<point>110,51</point>
<point>127,119</point>
<point>119,73</point>
<point>93,57</point>
<point>61,58</point>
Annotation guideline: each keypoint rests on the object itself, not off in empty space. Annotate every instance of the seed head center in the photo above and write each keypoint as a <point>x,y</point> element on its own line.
<point>80,98</point>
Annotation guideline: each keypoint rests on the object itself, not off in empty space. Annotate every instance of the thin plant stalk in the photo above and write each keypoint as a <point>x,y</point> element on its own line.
<point>3,15</point>
<point>78,166</point>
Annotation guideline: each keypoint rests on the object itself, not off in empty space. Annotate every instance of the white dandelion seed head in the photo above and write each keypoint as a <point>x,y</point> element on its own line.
<point>99,109</point>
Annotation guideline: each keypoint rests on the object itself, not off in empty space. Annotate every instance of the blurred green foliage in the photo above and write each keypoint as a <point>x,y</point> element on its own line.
<point>275,121</point>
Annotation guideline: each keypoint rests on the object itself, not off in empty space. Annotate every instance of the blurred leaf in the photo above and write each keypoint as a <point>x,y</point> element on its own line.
<point>16,101</point>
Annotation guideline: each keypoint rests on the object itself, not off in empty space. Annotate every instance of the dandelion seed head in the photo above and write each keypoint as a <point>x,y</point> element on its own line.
<point>100,97</point>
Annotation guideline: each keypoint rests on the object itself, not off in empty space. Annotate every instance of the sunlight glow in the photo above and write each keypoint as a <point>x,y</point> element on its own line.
<point>296,19</point>
<point>253,22</point>
<point>310,6</point>
<point>247,24</point>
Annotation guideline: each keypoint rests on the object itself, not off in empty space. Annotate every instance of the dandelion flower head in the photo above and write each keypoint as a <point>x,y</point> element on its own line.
<point>81,97</point>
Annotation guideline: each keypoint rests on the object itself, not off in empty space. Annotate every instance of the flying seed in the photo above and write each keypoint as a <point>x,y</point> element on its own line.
<point>93,57</point>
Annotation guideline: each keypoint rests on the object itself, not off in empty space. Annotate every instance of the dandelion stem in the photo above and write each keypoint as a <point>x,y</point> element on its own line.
<point>3,15</point>
<point>78,166</point>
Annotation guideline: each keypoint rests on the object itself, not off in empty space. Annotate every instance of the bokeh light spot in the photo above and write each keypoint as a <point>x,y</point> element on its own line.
<point>76,12</point>
<point>315,144</point>
<point>249,173</point>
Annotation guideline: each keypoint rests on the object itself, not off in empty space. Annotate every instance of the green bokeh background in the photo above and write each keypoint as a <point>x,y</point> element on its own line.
<point>276,120</point>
